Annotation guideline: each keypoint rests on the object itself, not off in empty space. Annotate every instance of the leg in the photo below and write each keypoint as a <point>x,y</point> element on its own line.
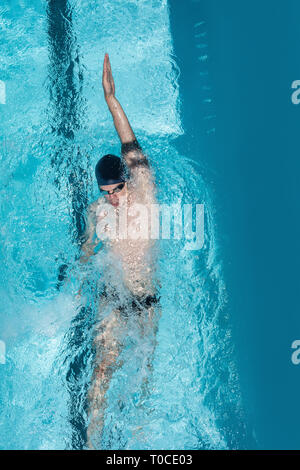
<point>149,330</point>
<point>148,324</point>
<point>108,343</point>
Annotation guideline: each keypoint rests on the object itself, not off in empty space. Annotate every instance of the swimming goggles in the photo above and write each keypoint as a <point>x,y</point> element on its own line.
<point>113,191</point>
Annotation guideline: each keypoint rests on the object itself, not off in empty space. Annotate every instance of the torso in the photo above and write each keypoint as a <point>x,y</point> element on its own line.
<point>132,246</point>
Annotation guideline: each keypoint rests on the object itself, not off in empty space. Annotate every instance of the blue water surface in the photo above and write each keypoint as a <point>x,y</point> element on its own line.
<point>206,88</point>
<point>253,170</point>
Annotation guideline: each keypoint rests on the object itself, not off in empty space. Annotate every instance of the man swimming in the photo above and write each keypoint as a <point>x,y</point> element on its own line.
<point>127,184</point>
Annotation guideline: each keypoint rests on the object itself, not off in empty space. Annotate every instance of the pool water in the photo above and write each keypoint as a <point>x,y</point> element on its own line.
<point>54,126</point>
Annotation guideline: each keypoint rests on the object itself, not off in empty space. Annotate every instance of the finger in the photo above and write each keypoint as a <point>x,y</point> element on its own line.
<point>108,63</point>
<point>105,63</point>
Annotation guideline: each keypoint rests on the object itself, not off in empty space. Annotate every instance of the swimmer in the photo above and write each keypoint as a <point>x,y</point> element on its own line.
<point>123,183</point>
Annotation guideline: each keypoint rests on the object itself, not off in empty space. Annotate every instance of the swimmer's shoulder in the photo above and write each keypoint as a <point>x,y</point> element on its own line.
<point>94,208</point>
<point>98,208</point>
<point>142,185</point>
<point>97,204</point>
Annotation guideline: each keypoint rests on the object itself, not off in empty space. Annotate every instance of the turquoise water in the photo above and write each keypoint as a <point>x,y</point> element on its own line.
<point>251,164</point>
<point>54,127</point>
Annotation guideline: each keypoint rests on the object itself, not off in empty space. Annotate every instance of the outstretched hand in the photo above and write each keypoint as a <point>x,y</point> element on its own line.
<point>107,79</point>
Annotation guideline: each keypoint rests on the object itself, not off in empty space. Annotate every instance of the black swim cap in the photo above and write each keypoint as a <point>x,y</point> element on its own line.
<point>110,170</point>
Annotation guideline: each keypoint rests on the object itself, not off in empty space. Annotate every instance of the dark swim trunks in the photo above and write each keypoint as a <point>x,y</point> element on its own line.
<point>134,304</point>
<point>140,304</point>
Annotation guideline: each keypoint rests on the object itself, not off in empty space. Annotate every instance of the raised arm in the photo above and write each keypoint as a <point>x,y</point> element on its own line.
<point>131,150</point>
